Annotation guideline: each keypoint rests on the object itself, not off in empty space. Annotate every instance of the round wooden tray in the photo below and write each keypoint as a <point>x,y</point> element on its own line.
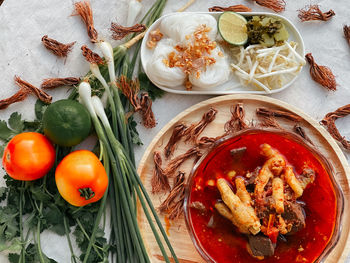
<point>178,234</point>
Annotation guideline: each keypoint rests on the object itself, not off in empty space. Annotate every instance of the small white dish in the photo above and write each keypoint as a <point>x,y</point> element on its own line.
<point>232,86</point>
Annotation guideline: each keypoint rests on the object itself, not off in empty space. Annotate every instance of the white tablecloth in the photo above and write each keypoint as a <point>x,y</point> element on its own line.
<point>23,23</point>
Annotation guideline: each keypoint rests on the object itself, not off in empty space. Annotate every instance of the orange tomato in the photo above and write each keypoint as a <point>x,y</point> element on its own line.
<point>81,178</point>
<point>28,156</point>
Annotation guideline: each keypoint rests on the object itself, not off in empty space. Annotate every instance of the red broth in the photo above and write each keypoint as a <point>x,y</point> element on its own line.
<point>219,237</point>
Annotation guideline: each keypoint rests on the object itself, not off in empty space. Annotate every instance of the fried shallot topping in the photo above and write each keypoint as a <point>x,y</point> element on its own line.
<point>232,8</point>
<point>196,129</point>
<point>194,56</point>
<point>119,32</point>
<point>313,12</point>
<point>275,5</point>
<point>175,163</point>
<point>91,56</point>
<point>173,204</point>
<point>148,118</point>
<point>130,89</point>
<point>57,48</point>
<point>321,74</point>
<point>178,133</point>
<point>300,131</point>
<point>53,83</point>
<point>154,37</point>
<point>83,9</point>
<point>40,94</point>
<point>329,122</point>
<point>237,122</point>
<point>159,180</point>
<point>346,30</point>
<point>277,113</point>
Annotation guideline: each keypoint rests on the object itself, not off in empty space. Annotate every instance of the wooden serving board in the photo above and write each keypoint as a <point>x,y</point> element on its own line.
<point>178,234</point>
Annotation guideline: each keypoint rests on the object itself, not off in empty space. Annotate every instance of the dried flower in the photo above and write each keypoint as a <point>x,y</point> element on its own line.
<point>148,119</point>
<point>301,132</point>
<point>196,129</point>
<point>346,30</point>
<point>313,12</point>
<point>159,180</point>
<point>269,122</point>
<point>262,111</point>
<point>53,83</point>
<point>178,133</point>
<point>130,89</point>
<point>329,122</point>
<point>275,5</point>
<point>57,48</point>
<point>321,74</point>
<point>175,163</point>
<point>119,32</point>
<point>173,204</point>
<point>20,95</point>
<point>232,8</point>
<point>40,94</point>
<point>237,122</point>
<point>91,56</point>
<point>83,9</point>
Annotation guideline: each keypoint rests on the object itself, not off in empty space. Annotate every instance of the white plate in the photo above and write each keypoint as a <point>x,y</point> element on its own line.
<point>232,86</point>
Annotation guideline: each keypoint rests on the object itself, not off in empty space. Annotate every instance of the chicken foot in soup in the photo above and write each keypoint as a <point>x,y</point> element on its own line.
<point>273,166</point>
<point>242,213</point>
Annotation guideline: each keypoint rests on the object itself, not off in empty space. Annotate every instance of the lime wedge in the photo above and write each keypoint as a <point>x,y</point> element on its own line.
<point>233,28</point>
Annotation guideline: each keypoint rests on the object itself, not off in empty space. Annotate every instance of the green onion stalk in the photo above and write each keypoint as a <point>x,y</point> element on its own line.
<point>123,175</point>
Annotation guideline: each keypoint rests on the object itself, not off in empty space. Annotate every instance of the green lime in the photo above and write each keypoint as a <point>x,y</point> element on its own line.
<point>233,28</point>
<point>66,123</point>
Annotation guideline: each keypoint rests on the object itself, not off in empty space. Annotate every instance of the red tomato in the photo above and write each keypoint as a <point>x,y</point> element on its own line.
<point>81,178</point>
<point>28,156</point>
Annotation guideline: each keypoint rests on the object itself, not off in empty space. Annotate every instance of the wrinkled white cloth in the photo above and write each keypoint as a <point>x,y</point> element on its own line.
<point>23,23</point>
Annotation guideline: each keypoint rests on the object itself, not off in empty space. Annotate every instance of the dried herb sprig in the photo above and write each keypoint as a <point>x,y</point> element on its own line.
<point>148,118</point>
<point>159,181</point>
<point>84,10</point>
<point>237,122</point>
<point>20,95</point>
<point>321,74</point>
<point>313,12</point>
<point>130,89</point>
<point>53,83</point>
<point>269,122</point>
<point>301,132</point>
<point>57,48</point>
<point>232,8</point>
<point>262,111</point>
<point>173,204</point>
<point>40,94</point>
<point>275,5</point>
<point>196,129</point>
<point>329,122</point>
<point>178,133</point>
<point>346,30</point>
<point>91,56</point>
<point>175,163</point>
<point>119,32</point>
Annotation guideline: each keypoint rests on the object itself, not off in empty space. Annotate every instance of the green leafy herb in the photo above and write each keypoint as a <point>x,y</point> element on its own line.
<point>146,85</point>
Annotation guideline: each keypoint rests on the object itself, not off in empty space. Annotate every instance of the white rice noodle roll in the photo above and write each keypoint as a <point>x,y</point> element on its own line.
<point>159,71</point>
<point>179,25</point>
<point>214,75</point>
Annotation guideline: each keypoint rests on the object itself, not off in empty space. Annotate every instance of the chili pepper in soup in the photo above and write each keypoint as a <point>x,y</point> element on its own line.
<point>262,195</point>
